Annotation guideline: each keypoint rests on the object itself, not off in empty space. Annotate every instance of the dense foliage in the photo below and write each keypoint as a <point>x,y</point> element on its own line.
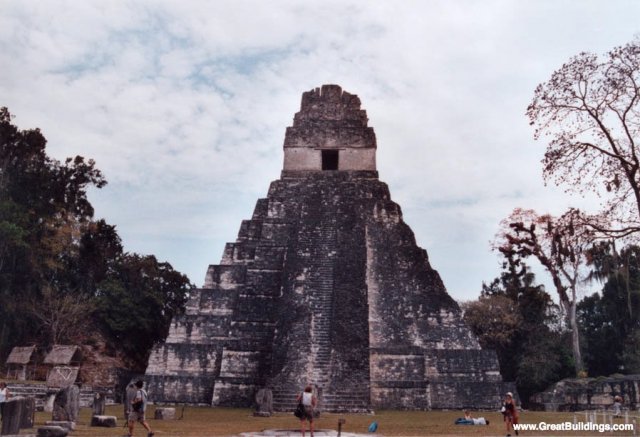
<point>63,275</point>
<point>560,245</point>
<point>518,319</point>
<point>610,320</point>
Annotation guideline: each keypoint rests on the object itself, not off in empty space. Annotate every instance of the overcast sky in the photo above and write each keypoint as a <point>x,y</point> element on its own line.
<point>184,105</point>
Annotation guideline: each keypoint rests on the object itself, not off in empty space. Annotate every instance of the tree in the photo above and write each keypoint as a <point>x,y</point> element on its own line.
<point>516,318</point>
<point>631,353</point>
<point>63,275</point>
<point>62,317</point>
<point>560,245</point>
<point>43,207</point>
<point>100,252</point>
<point>610,320</point>
<point>136,303</point>
<point>494,320</point>
<point>590,110</point>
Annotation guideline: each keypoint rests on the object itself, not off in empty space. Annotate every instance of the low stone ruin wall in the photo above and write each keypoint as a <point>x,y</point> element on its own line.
<point>579,394</point>
<point>41,393</point>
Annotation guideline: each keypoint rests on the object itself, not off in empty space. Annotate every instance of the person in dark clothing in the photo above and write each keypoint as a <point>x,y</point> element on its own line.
<point>510,413</point>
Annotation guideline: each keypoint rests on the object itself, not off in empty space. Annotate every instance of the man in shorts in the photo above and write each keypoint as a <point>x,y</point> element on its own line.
<point>138,407</point>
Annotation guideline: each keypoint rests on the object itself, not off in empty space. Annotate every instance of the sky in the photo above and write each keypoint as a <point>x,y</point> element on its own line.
<point>184,104</point>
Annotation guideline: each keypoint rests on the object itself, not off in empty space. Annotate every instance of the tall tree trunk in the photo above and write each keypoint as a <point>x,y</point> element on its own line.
<point>570,314</point>
<point>575,339</point>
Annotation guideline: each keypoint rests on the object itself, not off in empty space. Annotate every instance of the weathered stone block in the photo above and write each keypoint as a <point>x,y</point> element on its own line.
<point>264,403</point>
<point>62,376</point>
<point>69,426</point>
<point>52,431</point>
<point>51,397</point>
<point>67,404</point>
<point>12,415</point>
<point>104,421</point>
<point>28,413</point>
<point>165,413</point>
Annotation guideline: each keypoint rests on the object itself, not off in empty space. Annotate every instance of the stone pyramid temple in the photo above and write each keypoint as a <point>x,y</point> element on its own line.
<point>325,285</point>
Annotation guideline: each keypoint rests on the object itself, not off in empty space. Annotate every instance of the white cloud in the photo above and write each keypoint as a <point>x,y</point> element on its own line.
<point>184,105</point>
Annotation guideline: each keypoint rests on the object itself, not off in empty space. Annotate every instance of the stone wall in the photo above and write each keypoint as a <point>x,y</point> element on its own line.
<point>588,394</point>
<point>41,392</point>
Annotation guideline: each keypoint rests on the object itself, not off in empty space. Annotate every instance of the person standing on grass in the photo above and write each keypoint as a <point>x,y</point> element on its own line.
<point>129,396</point>
<point>510,413</point>
<point>4,395</point>
<point>309,402</point>
<point>617,406</point>
<point>138,407</point>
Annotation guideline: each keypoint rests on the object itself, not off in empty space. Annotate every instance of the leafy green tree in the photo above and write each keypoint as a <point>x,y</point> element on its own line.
<point>544,359</point>
<point>560,245</point>
<point>609,320</point>
<point>63,275</point>
<point>631,353</point>
<point>43,206</point>
<point>136,304</point>
<point>495,320</point>
<point>515,317</point>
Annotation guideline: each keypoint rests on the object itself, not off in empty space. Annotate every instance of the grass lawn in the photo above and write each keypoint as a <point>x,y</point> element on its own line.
<point>205,422</point>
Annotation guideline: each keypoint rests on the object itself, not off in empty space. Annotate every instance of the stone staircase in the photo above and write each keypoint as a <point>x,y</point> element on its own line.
<point>317,241</point>
<point>354,400</point>
<point>285,399</point>
<point>322,283</point>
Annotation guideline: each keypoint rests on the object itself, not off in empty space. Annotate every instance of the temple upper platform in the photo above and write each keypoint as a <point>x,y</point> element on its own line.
<point>330,133</point>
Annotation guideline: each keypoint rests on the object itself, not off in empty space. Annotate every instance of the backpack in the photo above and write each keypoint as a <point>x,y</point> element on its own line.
<point>138,406</point>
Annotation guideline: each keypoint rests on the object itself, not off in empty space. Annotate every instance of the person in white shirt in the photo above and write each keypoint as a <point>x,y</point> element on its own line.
<point>309,401</point>
<point>138,408</point>
<point>4,395</point>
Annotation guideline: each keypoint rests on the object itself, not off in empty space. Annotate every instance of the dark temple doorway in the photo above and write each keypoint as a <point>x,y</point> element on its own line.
<point>330,159</point>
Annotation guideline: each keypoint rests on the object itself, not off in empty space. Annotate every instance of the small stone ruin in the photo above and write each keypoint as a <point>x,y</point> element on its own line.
<point>65,365</point>
<point>21,363</point>
<point>580,394</point>
<point>325,286</point>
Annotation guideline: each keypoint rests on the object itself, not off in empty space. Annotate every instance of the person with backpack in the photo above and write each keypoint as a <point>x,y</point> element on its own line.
<point>309,402</point>
<point>138,407</point>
